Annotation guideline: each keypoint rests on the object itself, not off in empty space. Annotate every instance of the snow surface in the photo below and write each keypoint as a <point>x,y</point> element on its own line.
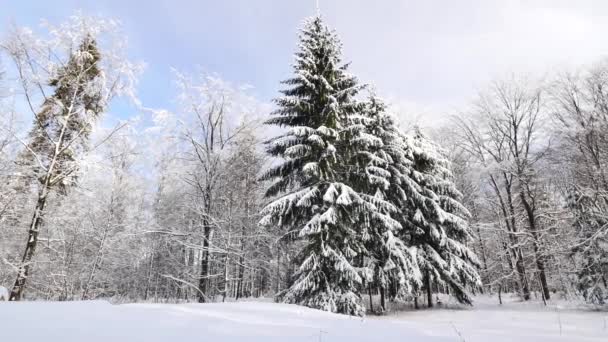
<point>513,321</point>
<point>97,321</point>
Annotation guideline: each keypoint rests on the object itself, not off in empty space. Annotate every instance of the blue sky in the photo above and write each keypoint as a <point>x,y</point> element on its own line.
<point>238,41</point>
<point>428,57</point>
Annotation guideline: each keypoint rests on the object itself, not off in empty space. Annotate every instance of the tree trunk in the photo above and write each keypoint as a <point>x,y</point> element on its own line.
<point>543,297</point>
<point>203,285</point>
<point>226,277</point>
<point>482,248</point>
<point>521,271</point>
<point>508,210</point>
<point>32,241</point>
<point>278,269</point>
<point>429,290</point>
<point>519,257</point>
<point>204,277</point>
<point>382,299</point>
<point>239,288</point>
<point>500,294</point>
<point>150,268</point>
<point>371,301</point>
<point>98,260</point>
<point>540,264</point>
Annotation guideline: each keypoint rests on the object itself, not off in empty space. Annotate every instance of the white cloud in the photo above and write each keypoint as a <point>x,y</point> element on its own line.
<point>439,54</point>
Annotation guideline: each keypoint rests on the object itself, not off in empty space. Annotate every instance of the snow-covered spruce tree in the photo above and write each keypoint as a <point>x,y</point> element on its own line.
<point>386,176</point>
<point>319,199</point>
<point>61,131</point>
<point>437,223</point>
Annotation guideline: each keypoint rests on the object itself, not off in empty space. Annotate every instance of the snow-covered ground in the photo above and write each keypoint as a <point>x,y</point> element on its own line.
<point>243,321</point>
<point>98,321</point>
<point>513,321</point>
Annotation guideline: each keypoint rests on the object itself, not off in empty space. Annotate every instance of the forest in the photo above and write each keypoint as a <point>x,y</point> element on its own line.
<point>328,197</point>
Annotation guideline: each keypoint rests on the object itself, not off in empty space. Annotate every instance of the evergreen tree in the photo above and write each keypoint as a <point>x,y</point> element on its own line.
<point>320,202</point>
<point>437,223</point>
<point>67,115</point>
<point>391,262</point>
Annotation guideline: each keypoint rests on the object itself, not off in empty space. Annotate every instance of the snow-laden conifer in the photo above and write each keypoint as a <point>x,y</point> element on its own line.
<point>438,222</point>
<point>391,262</point>
<point>320,198</point>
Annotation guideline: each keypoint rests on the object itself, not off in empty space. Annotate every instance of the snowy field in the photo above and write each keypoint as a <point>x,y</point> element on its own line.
<point>98,321</point>
<point>513,321</point>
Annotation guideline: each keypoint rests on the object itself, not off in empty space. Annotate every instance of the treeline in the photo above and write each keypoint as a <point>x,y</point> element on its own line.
<point>160,209</point>
<point>338,205</point>
<point>531,157</point>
